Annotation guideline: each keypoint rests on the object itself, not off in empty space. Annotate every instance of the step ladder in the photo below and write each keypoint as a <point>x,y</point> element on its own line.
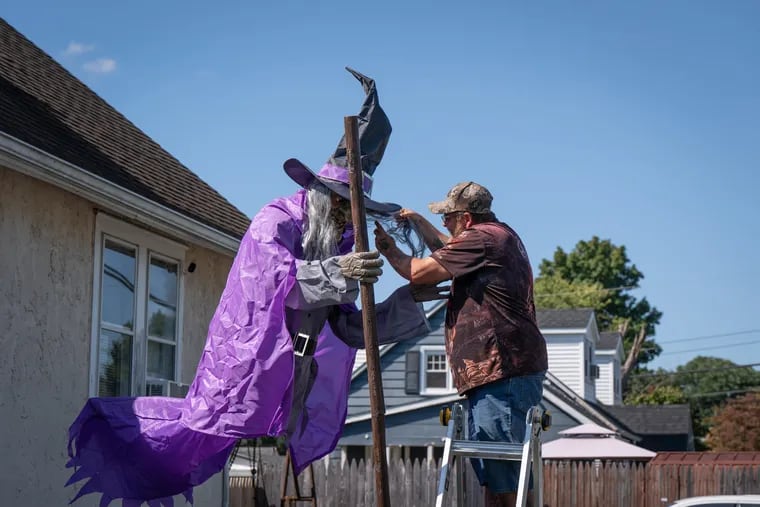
<point>528,453</point>
<point>287,500</point>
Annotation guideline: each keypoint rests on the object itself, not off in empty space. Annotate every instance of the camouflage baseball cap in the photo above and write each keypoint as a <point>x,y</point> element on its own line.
<point>466,196</point>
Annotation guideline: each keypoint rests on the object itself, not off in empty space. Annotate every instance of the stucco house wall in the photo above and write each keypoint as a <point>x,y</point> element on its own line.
<point>46,280</point>
<point>203,288</point>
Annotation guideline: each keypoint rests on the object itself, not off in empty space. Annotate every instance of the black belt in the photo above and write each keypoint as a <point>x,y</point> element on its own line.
<point>304,345</point>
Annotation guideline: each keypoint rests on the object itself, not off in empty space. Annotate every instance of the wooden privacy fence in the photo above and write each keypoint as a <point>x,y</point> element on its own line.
<point>595,484</point>
<point>673,481</point>
<point>566,484</point>
<point>411,483</point>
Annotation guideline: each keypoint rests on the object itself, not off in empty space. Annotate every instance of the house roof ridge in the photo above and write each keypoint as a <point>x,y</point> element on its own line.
<point>564,318</point>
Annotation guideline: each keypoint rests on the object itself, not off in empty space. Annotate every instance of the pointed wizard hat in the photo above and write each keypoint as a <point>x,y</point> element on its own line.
<point>374,132</point>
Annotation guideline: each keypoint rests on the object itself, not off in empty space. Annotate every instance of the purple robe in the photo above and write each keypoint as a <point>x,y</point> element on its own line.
<point>151,448</point>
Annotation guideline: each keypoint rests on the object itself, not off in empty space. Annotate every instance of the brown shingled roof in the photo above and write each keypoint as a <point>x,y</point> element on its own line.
<point>44,105</point>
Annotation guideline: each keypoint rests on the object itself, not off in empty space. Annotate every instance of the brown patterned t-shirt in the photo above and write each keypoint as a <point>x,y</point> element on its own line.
<point>491,330</point>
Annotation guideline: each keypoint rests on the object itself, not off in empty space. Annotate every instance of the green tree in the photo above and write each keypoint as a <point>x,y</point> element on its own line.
<point>704,383</point>
<point>735,426</point>
<point>647,387</point>
<point>709,381</point>
<point>657,395</point>
<point>599,265</point>
<point>644,381</point>
<point>556,292</point>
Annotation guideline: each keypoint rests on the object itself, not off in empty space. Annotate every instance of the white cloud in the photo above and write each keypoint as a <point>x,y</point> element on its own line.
<point>100,66</point>
<point>77,48</point>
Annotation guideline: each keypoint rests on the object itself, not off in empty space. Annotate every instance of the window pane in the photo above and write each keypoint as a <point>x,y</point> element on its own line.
<point>114,364</point>
<point>436,362</point>
<point>436,379</point>
<point>436,370</point>
<point>118,298</point>
<point>162,301</point>
<point>160,360</point>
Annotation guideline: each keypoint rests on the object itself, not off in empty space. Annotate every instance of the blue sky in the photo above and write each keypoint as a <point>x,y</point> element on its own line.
<point>633,121</point>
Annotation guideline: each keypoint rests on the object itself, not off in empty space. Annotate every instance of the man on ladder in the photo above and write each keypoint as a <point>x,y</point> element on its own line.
<point>496,351</point>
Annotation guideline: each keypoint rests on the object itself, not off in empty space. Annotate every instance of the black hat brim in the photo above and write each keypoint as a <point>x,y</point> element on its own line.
<point>304,176</point>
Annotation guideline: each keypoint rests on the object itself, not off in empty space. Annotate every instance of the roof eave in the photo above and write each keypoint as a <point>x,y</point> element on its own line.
<point>408,407</point>
<point>563,330</point>
<point>31,161</point>
<point>449,398</point>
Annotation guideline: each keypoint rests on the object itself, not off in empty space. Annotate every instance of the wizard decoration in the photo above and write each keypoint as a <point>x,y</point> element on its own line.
<point>279,351</point>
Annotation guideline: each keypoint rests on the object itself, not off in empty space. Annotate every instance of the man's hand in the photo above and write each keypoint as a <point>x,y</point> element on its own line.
<point>383,241</point>
<point>407,214</point>
<point>362,266</point>
<point>422,293</point>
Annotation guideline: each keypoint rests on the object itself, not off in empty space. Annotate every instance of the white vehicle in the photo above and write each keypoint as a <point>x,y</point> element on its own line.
<point>718,501</point>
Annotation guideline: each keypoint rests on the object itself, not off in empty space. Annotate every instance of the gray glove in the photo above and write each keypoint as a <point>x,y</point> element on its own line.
<point>362,266</point>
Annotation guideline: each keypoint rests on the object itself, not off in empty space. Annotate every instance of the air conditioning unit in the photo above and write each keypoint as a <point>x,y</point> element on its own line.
<point>594,371</point>
<point>162,387</point>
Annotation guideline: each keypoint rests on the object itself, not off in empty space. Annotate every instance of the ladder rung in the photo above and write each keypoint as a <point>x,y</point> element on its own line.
<point>487,450</point>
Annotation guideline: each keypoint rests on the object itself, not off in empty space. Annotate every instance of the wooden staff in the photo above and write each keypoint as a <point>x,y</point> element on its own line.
<point>376,400</point>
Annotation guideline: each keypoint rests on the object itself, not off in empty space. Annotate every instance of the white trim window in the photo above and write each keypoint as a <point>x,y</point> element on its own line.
<point>137,310</point>
<point>435,374</point>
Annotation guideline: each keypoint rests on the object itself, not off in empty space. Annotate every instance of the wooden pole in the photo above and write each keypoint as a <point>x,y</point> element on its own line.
<point>376,400</point>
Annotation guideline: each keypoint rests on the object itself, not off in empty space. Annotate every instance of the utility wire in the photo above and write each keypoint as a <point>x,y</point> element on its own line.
<point>694,338</point>
<point>710,348</point>
<point>704,370</point>
<point>650,345</point>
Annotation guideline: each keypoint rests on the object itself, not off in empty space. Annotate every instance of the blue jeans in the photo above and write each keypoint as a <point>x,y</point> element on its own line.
<point>496,413</point>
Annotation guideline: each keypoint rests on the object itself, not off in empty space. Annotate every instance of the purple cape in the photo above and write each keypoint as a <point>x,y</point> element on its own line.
<point>151,448</point>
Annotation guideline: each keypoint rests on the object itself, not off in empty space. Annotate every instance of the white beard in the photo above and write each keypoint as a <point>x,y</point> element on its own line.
<point>321,234</point>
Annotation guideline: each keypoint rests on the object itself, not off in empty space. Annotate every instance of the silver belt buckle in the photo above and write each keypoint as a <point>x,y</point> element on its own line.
<point>300,344</point>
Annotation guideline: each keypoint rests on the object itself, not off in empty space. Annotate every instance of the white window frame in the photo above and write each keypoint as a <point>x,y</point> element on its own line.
<point>146,244</point>
<point>424,389</point>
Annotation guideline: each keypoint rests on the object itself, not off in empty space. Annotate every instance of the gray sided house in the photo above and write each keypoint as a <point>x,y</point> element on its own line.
<point>412,399</point>
<point>112,261</point>
<point>417,384</point>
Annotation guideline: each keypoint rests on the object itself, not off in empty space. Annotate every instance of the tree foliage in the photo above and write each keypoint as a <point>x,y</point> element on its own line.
<point>704,383</point>
<point>657,395</point>
<point>556,292</point>
<point>642,384</point>
<point>570,280</point>
<point>735,426</point>
<point>708,381</point>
